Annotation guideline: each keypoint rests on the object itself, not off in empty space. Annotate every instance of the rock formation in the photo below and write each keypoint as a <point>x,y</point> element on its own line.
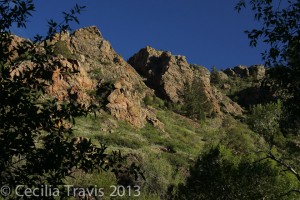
<point>96,62</point>
<point>147,72</point>
<point>257,71</point>
<point>165,73</point>
<point>169,75</point>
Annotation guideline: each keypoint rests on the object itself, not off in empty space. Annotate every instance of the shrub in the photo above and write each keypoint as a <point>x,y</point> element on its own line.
<point>264,119</point>
<point>154,101</point>
<point>102,92</point>
<point>220,174</point>
<point>61,48</point>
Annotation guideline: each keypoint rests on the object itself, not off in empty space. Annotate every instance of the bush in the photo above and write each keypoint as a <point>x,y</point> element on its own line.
<point>102,92</point>
<point>154,101</point>
<point>61,48</point>
<point>264,119</point>
<point>220,174</point>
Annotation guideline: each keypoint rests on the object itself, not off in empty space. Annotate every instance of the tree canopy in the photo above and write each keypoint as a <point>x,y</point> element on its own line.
<point>37,143</point>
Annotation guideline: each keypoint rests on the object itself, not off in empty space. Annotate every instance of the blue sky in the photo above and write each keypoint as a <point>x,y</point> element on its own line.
<point>207,32</point>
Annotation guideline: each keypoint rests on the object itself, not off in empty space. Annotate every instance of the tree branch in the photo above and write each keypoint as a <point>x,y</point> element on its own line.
<point>287,166</point>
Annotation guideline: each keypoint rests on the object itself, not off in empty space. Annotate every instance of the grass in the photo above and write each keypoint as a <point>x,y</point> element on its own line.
<point>165,156</point>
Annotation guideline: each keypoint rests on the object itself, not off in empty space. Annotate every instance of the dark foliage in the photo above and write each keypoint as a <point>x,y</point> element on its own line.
<point>219,174</point>
<point>281,31</point>
<point>37,145</point>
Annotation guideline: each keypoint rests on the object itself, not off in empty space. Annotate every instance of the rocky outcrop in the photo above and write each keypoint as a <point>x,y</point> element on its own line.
<point>103,63</point>
<point>257,71</point>
<point>203,74</point>
<point>222,76</point>
<point>96,62</point>
<point>227,106</point>
<point>124,103</point>
<point>247,85</point>
<point>63,85</point>
<point>151,118</point>
<point>68,79</point>
<point>170,75</point>
<point>241,71</point>
<point>167,74</point>
<point>229,72</point>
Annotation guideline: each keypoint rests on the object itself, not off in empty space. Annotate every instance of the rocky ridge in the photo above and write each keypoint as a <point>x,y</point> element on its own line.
<point>147,73</point>
<point>169,75</point>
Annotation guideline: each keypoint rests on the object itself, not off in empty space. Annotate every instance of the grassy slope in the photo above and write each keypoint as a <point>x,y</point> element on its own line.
<point>185,139</point>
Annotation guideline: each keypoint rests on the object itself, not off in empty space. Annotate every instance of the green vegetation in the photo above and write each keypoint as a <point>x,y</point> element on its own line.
<point>196,105</point>
<point>222,174</point>
<point>265,119</point>
<point>154,101</point>
<point>170,164</point>
<point>163,155</point>
<point>61,48</point>
<point>214,77</point>
<point>37,142</point>
<point>279,29</point>
<point>191,157</point>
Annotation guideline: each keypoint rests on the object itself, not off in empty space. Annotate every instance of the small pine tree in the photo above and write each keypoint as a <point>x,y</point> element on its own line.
<point>195,101</point>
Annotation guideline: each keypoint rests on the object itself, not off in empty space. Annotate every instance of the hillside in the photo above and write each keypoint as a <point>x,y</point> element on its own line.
<point>160,111</point>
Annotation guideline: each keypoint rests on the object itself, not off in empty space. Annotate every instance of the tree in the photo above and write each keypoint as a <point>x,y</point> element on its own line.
<point>37,145</point>
<point>221,174</point>
<point>265,119</point>
<point>196,103</point>
<point>280,29</point>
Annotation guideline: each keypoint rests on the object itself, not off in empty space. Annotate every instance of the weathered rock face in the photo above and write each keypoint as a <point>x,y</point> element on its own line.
<point>258,72</point>
<point>227,106</point>
<point>169,75</point>
<point>101,62</point>
<point>97,62</point>
<point>165,73</point>
<point>124,103</point>
<point>248,80</point>
<point>64,85</point>
<point>222,76</point>
<point>203,75</point>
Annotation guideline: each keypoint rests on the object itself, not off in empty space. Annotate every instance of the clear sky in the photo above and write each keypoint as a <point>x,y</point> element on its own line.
<point>207,32</point>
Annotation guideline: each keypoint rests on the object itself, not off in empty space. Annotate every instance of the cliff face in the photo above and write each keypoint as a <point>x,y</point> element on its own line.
<point>103,64</point>
<point>165,73</point>
<point>96,63</point>
<point>147,73</point>
<point>169,75</point>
